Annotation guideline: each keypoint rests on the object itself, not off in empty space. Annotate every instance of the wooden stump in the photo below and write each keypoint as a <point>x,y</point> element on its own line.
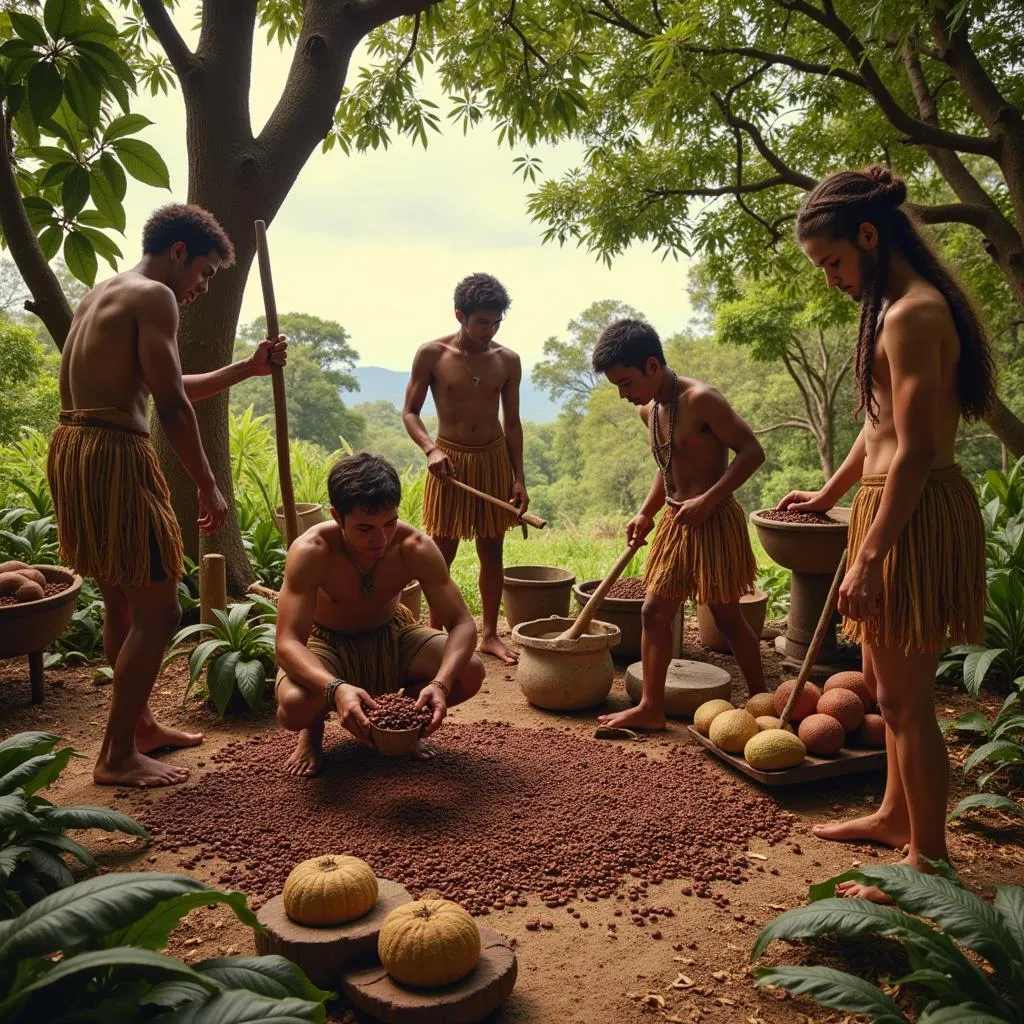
<point>480,993</point>
<point>323,952</point>
<point>688,685</point>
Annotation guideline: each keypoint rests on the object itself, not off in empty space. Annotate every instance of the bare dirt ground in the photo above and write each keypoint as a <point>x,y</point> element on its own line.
<point>697,970</point>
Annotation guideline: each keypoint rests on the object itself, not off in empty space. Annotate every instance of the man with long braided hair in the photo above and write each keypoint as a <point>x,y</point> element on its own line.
<point>915,581</point>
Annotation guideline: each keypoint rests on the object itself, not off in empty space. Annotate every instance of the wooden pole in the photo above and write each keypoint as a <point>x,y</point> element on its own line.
<point>284,462</point>
<point>526,517</point>
<point>213,587</point>
<point>579,627</point>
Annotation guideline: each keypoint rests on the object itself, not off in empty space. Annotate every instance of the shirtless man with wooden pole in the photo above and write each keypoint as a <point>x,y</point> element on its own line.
<point>114,515</point>
<point>469,375</point>
<point>916,577</point>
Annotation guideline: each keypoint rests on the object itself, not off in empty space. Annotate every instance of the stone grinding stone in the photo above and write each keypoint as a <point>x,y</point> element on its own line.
<point>323,951</point>
<point>479,994</point>
<point>687,685</point>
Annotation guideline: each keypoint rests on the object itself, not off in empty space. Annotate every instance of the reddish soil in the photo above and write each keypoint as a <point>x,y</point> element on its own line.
<point>454,826</point>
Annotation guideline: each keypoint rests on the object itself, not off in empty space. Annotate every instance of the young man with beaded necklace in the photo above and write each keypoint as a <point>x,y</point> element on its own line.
<point>701,550</point>
<point>915,578</point>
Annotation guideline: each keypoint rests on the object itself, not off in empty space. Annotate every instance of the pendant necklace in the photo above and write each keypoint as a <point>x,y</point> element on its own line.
<point>469,369</point>
<point>662,450</point>
<point>366,586</point>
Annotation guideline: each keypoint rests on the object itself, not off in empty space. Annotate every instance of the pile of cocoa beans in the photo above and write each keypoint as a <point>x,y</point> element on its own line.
<point>397,712</point>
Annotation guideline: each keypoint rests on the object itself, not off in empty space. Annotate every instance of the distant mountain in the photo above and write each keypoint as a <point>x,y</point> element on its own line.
<point>376,382</point>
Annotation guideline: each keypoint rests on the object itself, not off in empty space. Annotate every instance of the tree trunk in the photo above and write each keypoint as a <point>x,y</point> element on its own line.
<point>1007,427</point>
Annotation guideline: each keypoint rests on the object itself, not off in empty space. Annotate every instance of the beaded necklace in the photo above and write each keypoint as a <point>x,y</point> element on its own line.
<point>662,450</point>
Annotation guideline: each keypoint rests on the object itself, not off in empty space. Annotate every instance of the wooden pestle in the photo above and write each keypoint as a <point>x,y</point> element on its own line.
<point>526,517</point>
<point>579,627</point>
<point>815,645</point>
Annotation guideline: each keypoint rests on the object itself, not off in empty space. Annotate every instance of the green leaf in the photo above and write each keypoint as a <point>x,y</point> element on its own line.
<point>1009,902</point>
<point>174,993</point>
<point>976,667</point>
<point>56,173</point>
<point>101,960</point>
<point>246,1008</point>
<point>50,866</point>
<point>14,812</point>
<point>40,213</point>
<point>266,975</point>
<point>114,175</point>
<point>23,745</point>
<point>61,17</point>
<point>961,1013</point>
<point>220,680</point>
<point>58,841</point>
<point>989,801</point>
<point>996,750</point>
<point>834,989</point>
<point>142,162</point>
<point>105,199</point>
<point>87,911</point>
<point>827,889</point>
<point>80,257</point>
<point>10,858</point>
<point>82,94</point>
<point>75,192</point>
<point>201,653</point>
<point>956,911</point>
<point>128,124</point>
<point>251,679</point>
<point>45,90</point>
<point>151,929</point>
<point>117,71</point>
<point>87,816</point>
<point>36,773</point>
<point>28,28</point>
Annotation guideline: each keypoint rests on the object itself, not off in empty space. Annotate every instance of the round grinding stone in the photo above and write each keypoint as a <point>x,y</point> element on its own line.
<point>323,952</point>
<point>479,994</point>
<point>688,685</point>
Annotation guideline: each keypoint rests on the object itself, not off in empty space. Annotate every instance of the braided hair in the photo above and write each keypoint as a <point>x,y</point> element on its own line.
<point>836,208</point>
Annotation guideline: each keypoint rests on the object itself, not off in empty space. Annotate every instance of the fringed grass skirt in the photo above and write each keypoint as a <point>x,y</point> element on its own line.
<point>933,578</point>
<point>450,512</point>
<point>711,564</point>
<point>111,499</point>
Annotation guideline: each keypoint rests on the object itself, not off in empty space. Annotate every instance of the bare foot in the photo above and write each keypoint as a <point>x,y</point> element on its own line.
<point>640,717</point>
<point>305,758</point>
<point>137,770</point>
<point>872,827</point>
<point>424,751</point>
<point>493,645</point>
<point>152,736</point>
<point>852,890</point>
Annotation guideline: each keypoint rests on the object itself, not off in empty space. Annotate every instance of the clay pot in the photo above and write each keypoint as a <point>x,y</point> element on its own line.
<point>752,606</point>
<point>624,612</point>
<point>394,742</point>
<point>307,513</point>
<point>564,675</point>
<point>535,592</point>
<point>412,598</point>
<point>33,626</point>
<point>804,547</point>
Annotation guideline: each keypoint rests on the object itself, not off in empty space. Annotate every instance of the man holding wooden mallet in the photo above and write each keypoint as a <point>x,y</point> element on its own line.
<point>470,376</point>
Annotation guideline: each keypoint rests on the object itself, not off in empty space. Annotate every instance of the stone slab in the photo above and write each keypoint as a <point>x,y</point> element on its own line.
<point>688,685</point>
<point>369,988</point>
<point>322,952</point>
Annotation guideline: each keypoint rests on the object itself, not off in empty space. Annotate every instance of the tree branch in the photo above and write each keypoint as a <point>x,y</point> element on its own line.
<point>802,424</point>
<point>404,62</point>
<point>918,132</point>
<point>619,21</point>
<point>158,17</point>
<point>807,67</point>
<point>711,192</point>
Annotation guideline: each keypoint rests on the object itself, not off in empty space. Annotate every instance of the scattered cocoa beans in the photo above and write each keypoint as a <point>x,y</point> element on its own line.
<point>397,712</point>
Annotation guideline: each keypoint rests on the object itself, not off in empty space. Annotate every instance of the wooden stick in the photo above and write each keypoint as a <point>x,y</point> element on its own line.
<point>579,627</point>
<point>213,587</point>
<point>526,517</point>
<point>824,622</point>
<point>284,462</point>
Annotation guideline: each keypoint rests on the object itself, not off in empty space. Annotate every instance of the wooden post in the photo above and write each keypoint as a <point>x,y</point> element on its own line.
<point>284,462</point>
<point>213,587</point>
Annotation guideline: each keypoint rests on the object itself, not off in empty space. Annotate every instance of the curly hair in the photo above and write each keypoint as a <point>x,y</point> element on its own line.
<point>196,227</point>
<point>835,209</point>
<point>627,343</point>
<point>481,291</point>
<point>364,480</point>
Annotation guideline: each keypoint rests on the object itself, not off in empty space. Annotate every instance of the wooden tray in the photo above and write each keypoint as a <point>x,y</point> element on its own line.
<point>847,762</point>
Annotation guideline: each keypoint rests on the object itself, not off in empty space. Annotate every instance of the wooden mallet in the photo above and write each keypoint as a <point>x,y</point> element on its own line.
<point>579,627</point>
<point>526,517</point>
<point>284,462</point>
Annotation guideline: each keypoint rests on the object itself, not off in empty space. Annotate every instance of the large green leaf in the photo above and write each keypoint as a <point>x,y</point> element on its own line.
<point>220,680</point>
<point>108,166</point>
<point>28,28</point>
<point>23,745</point>
<point>101,243</point>
<point>151,929</point>
<point>80,257</point>
<point>113,63</point>
<point>10,858</point>
<point>142,162</point>
<point>963,916</point>
<point>102,960</point>
<point>266,975</point>
<point>1009,902</point>
<point>251,679</point>
<point>36,773</point>
<point>87,816</point>
<point>201,654</point>
<point>247,1008</point>
<point>961,1013</point>
<point>84,913</point>
<point>988,801</point>
<point>14,812</point>
<point>57,841</point>
<point>83,95</point>
<point>128,124</point>
<point>75,191</point>
<point>834,989</point>
<point>996,750</point>
<point>105,198</point>
<point>50,866</point>
<point>45,90</point>
<point>61,17</point>
<point>174,993</point>
<point>976,667</point>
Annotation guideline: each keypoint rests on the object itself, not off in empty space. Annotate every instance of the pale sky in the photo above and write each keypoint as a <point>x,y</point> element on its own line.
<point>356,232</point>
